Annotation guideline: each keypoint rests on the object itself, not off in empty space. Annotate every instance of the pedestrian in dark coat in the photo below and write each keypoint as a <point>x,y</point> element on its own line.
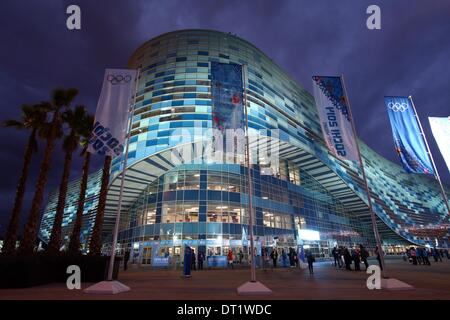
<point>274,257</point>
<point>364,255</point>
<point>336,257</point>
<point>193,264</point>
<point>126,257</point>
<point>291,258</point>
<point>355,257</point>
<point>310,258</point>
<point>200,259</point>
<point>347,259</point>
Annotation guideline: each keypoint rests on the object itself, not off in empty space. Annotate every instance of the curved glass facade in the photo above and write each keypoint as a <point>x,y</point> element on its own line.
<point>205,206</point>
<point>312,194</point>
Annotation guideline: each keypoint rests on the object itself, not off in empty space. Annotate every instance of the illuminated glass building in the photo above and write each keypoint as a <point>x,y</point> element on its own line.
<point>313,198</point>
<point>70,210</point>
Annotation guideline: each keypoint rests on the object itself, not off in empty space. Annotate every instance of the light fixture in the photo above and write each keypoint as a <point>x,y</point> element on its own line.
<point>306,234</point>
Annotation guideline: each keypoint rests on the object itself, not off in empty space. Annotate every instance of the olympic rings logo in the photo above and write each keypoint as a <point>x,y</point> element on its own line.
<point>118,79</point>
<point>396,107</point>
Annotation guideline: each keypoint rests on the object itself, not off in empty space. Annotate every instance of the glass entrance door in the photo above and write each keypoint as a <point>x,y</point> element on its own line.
<point>146,256</point>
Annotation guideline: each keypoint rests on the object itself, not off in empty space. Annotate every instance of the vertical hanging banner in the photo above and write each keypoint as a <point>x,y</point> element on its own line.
<point>111,117</point>
<point>408,140</point>
<point>227,96</point>
<point>334,116</point>
<point>441,133</point>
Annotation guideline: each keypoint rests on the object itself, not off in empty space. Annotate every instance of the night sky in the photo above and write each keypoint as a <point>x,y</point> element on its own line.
<point>409,55</point>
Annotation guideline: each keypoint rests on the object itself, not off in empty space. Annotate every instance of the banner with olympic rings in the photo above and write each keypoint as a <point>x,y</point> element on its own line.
<point>111,117</point>
<point>408,140</point>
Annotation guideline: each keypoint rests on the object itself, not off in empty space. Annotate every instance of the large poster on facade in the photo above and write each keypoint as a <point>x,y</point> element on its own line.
<point>227,96</point>
<point>440,126</point>
<point>335,121</point>
<point>112,113</point>
<point>408,140</point>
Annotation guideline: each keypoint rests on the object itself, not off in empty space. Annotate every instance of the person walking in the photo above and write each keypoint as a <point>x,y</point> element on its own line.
<point>296,260</point>
<point>426,261</point>
<point>291,258</point>
<point>364,255</point>
<point>230,259</point>
<point>126,258</point>
<point>193,260</point>
<point>419,253</point>
<point>274,256</point>
<point>334,252</point>
<point>436,255</point>
<point>310,258</point>
<point>413,256</point>
<point>240,256</point>
<point>341,257</point>
<point>200,258</point>
<point>347,259</point>
<point>433,253</point>
<point>355,256</point>
<point>265,258</point>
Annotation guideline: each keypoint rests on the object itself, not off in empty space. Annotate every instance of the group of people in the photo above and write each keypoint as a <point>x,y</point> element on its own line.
<point>421,255</point>
<point>271,259</point>
<point>197,261</point>
<point>344,257</point>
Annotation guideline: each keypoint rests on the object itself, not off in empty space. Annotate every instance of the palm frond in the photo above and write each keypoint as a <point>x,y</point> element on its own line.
<point>14,124</point>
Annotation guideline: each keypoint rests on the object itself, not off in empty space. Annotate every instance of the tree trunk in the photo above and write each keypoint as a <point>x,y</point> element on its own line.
<point>31,227</point>
<point>9,246</point>
<point>95,244</point>
<point>74,244</point>
<point>55,238</point>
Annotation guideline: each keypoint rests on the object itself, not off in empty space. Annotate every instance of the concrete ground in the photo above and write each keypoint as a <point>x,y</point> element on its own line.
<point>430,282</point>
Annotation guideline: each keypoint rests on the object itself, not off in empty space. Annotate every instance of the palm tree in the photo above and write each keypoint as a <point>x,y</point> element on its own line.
<point>95,245</point>
<point>33,118</point>
<point>75,120</point>
<point>61,99</point>
<point>74,244</point>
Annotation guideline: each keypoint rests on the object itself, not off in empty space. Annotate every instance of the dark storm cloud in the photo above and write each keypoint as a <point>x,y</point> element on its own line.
<point>408,56</point>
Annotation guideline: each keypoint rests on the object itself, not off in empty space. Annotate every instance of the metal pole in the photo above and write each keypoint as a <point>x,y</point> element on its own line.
<point>249,181</point>
<point>369,198</point>
<point>119,207</point>
<point>436,173</point>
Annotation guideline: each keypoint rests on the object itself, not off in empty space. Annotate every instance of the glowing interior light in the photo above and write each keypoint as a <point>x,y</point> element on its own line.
<point>306,234</point>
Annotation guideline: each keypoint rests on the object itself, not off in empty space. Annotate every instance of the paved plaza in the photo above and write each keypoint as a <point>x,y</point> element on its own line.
<point>430,282</point>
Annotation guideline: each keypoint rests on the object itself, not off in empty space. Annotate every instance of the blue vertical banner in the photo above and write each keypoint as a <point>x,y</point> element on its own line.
<point>408,140</point>
<point>334,115</point>
<point>227,96</point>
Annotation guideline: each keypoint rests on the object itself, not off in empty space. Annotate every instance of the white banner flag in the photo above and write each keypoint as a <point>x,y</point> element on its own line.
<point>111,117</point>
<point>441,132</point>
<point>334,117</point>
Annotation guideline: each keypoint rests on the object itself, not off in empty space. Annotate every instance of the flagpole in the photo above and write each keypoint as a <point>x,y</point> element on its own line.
<point>436,173</point>
<point>122,181</point>
<point>249,181</point>
<point>369,198</point>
